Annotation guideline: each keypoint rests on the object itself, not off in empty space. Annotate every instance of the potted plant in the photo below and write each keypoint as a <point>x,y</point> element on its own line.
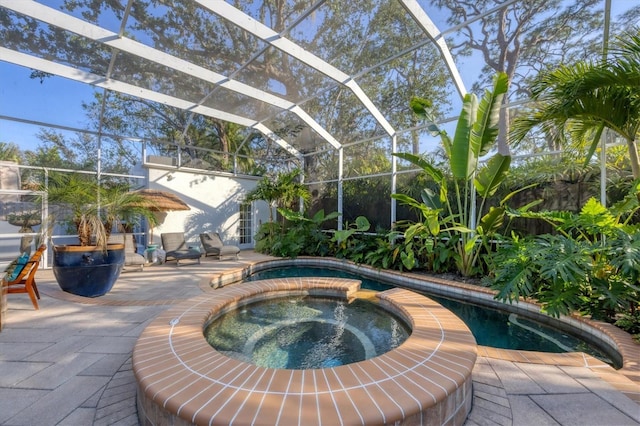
<point>91,267</point>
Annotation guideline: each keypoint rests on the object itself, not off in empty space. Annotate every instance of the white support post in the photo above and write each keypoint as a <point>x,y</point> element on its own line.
<point>340,182</point>
<point>603,167</point>
<point>421,17</point>
<point>394,179</point>
<point>46,227</point>
<point>606,134</point>
<point>301,200</point>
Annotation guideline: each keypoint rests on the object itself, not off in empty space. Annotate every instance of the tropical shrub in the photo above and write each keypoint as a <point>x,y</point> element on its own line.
<point>306,234</point>
<point>345,244</point>
<point>591,264</point>
<point>299,235</point>
<point>269,233</point>
<point>630,322</point>
<point>283,191</point>
<point>386,252</point>
<point>91,208</point>
<point>449,213</point>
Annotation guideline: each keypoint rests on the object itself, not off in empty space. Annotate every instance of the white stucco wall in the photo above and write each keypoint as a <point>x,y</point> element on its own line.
<point>214,199</point>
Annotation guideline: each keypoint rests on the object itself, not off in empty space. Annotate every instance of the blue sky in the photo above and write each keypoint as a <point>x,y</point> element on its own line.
<point>56,100</point>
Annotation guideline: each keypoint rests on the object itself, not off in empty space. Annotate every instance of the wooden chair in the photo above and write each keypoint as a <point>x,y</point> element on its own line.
<point>26,280</point>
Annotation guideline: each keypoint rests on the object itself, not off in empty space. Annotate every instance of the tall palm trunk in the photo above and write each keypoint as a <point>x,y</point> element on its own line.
<point>633,157</point>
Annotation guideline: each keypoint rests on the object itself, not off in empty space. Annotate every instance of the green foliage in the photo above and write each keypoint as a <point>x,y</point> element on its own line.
<point>385,253</point>
<point>9,152</point>
<point>447,213</point>
<point>297,234</point>
<point>345,246</point>
<point>282,191</point>
<point>93,208</point>
<point>204,142</point>
<point>78,152</point>
<point>305,234</point>
<point>583,98</point>
<point>591,265</point>
<point>630,322</point>
<point>527,33</point>
<point>267,236</point>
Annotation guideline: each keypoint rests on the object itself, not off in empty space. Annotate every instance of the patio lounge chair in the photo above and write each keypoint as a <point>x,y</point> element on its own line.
<point>25,282</point>
<point>131,258</point>
<point>175,246</point>
<point>214,246</point>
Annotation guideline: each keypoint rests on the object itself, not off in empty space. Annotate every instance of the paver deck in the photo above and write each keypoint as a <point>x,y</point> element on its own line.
<point>70,362</point>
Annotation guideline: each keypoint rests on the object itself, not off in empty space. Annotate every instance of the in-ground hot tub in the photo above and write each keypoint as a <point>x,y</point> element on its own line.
<point>183,380</point>
<point>306,332</point>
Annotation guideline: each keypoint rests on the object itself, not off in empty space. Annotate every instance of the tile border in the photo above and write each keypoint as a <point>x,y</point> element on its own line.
<point>182,380</point>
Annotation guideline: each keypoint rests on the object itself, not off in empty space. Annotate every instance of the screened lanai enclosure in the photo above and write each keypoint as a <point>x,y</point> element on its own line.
<point>202,98</point>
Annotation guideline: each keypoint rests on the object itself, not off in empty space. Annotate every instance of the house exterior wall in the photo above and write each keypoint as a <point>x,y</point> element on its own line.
<point>214,199</point>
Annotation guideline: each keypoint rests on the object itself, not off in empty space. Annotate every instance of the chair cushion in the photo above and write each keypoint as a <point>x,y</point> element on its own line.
<point>229,250</point>
<point>134,259</point>
<point>15,267</point>
<point>173,241</point>
<point>213,244</point>
<point>211,241</point>
<point>129,244</point>
<point>184,254</point>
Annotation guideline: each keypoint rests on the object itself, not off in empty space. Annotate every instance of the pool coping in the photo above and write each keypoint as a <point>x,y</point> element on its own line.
<point>183,380</point>
<point>626,379</point>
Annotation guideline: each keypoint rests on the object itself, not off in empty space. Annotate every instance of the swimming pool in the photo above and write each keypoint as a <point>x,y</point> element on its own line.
<point>490,327</point>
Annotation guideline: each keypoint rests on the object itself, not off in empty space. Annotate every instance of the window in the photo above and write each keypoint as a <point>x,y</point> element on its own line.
<point>246,223</point>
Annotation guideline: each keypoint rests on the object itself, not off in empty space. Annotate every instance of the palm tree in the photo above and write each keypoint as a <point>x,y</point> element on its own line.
<point>9,152</point>
<point>93,208</point>
<point>585,98</point>
<point>283,191</point>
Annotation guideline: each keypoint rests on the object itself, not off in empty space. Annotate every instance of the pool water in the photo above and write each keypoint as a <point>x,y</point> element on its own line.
<point>490,327</point>
<point>303,332</point>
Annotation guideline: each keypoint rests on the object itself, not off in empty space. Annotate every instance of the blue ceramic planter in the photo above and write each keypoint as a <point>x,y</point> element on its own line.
<point>87,271</point>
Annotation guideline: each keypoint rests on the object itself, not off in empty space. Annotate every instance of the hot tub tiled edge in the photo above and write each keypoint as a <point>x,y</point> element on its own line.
<point>420,395</point>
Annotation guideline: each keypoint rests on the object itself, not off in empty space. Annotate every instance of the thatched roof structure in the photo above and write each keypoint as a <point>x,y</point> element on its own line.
<point>162,201</point>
